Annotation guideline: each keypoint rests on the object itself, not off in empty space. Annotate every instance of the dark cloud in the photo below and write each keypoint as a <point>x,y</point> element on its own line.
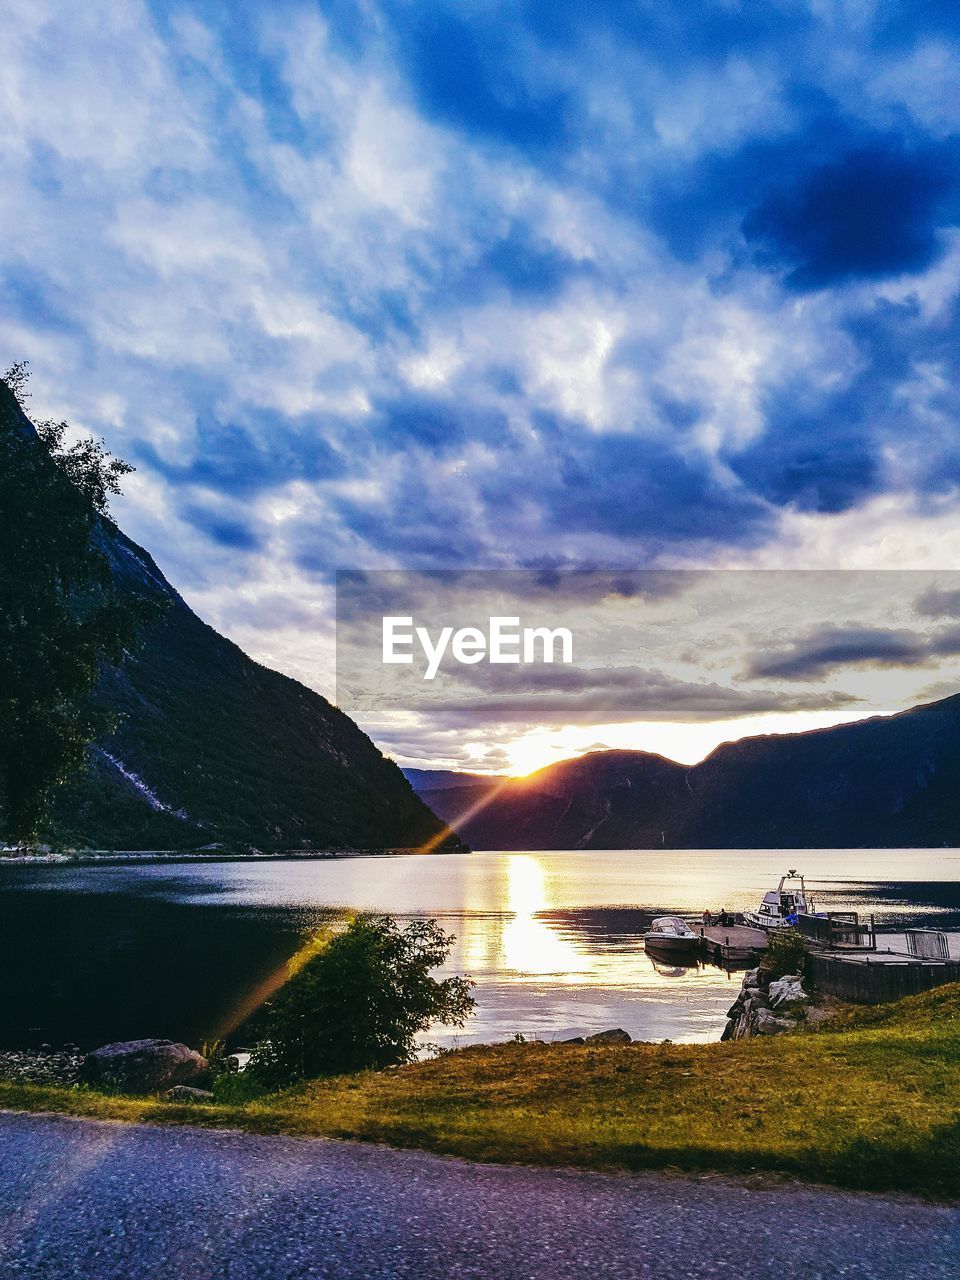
<point>816,464</point>
<point>243,459</point>
<point>612,699</point>
<point>520,261</point>
<point>436,423</point>
<point>827,448</point>
<point>672,34</point>
<point>832,648</point>
<point>435,595</point>
<point>827,201</point>
<point>228,531</point>
<point>636,486</point>
<point>34,299</point>
<point>900,23</point>
<point>937,603</point>
<point>871,212</point>
<point>417,519</point>
<point>469,74</point>
<point>600,693</point>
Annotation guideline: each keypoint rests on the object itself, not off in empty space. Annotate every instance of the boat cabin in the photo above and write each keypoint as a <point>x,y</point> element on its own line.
<point>782,906</point>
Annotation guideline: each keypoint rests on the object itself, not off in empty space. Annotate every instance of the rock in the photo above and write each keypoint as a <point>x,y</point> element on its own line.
<point>765,1024</point>
<point>142,1066</point>
<point>574,1040</point>
<point>616,1035</point>
<point>238,1061</point>
<point>45,1068</point>
<point>187,1093</point>
<point>736,1008</point>
<point>751,978</point>
<point>787,993</point>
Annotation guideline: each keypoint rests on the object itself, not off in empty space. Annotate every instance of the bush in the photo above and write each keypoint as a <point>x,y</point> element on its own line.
<point>786,953</point>
<point>358,1001</point>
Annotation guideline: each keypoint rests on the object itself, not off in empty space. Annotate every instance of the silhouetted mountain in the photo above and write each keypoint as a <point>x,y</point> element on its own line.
<point>891,781</point>
<point>442,779</point>
<point>211,747</point>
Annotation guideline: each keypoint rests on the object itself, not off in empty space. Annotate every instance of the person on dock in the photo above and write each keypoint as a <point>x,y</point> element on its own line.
<point>707,918</point>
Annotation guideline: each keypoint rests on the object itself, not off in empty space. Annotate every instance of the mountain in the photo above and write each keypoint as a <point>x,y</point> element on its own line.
<point>210,747</point>
<point>890,781</point>
<point>444,779</point>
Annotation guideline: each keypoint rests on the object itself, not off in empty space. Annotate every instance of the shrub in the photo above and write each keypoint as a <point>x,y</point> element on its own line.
<point>786,953</point>
<point>358,1001</point>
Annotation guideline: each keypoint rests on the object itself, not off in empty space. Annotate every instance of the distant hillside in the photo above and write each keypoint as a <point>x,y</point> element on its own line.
<point>211,747</point>
<point>891,781</point>
<point>443,779</point>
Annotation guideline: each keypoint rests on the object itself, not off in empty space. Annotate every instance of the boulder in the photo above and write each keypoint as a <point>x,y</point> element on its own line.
<point>751,978</point>
<point>616,1035</point>
<point>787,994</point>
<point>187,1093</point>
<point>574,1040</point>
<point>765,1024</point>
<point>143,1066</point>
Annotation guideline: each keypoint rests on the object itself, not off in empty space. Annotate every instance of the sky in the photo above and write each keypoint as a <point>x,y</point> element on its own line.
<point>673,661</point>
<point>485,285</point>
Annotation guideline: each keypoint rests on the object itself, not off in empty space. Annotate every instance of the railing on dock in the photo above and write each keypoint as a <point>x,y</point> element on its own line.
<point>839,929</point>
<point>928,944</point>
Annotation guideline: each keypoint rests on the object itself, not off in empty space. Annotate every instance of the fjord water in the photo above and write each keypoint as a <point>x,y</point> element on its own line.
<point>553,940</point>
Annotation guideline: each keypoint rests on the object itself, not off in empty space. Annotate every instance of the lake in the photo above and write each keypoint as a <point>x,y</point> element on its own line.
<point>553,941</point>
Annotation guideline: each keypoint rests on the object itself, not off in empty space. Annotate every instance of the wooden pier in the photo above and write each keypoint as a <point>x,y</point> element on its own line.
<point>730,944</point>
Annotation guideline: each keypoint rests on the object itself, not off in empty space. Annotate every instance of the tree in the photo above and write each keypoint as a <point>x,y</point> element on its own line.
<point>358,1000</point>
<point>61,614</point>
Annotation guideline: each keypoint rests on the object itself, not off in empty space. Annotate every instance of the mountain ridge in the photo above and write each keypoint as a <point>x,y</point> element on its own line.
<point>885,781</point>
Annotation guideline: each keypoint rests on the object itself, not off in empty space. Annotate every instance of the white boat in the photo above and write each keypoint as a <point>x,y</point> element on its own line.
<point>669,935</point>
<point>781,906</point>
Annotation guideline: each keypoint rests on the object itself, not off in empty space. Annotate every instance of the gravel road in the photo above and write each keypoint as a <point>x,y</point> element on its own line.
<point>87,1200</point>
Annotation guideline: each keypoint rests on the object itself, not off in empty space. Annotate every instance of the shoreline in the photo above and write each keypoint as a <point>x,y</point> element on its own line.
<point>105,857</point>
<point>881,1082</point>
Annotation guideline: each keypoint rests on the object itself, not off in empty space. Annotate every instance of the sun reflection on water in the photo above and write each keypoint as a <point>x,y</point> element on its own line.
<point>529,945</point>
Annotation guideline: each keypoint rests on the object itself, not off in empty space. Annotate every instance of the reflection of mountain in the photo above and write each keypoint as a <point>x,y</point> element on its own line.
<point>115,966</point>
<point>603,928</point>
<point>888,782</point>
<point>928,904</point>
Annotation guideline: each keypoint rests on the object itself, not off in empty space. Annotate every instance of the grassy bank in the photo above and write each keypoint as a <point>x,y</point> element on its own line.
<point>870,1100</point>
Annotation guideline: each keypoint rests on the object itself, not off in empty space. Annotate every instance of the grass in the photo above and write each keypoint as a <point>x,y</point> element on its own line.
<point>870,1099</point>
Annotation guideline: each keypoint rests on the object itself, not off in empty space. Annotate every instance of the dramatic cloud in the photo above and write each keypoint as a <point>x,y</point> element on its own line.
<point>565,285</point>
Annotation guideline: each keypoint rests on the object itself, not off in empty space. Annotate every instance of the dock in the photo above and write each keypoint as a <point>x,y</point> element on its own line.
<point>847,956</point>
<point>730,944</point>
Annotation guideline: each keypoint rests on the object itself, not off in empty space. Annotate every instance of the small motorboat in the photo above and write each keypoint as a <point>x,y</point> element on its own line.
<point>671,936</point>
<point>781,907</point>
